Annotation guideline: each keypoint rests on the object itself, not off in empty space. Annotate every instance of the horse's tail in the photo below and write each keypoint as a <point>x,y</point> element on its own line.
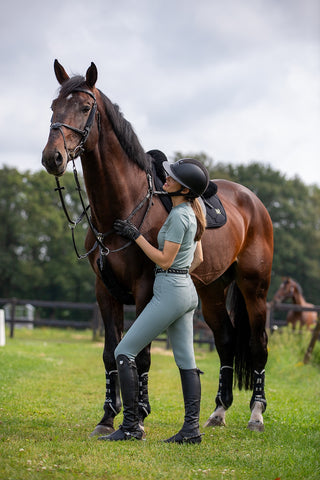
<point>240,319</point>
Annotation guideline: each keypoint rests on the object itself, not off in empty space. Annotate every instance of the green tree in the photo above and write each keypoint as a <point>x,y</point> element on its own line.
<point>294,210</point>
<point>12,201</point>
<point>37,256</point>
<point>37,259</point>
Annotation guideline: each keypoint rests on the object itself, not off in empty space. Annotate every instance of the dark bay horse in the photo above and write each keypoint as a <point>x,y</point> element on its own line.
<point>289,288</point>
<point>237,257</point>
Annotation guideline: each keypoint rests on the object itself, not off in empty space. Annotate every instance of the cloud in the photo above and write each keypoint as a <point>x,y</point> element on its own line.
<point>237,80</point>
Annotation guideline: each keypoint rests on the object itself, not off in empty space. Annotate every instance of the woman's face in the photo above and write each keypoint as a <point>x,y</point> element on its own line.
<point>171,185</point>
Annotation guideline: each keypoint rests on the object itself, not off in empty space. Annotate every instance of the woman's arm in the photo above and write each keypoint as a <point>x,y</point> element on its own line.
<point>164,258</point>
<point>197,258</point>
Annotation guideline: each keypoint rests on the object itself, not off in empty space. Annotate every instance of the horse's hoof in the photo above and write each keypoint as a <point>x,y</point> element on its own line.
<point>256,426</point>
<point>215,421</point>
<point>102,430</point>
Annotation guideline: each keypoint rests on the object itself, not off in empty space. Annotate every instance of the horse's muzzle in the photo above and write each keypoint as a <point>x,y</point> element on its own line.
<point>54,162</point>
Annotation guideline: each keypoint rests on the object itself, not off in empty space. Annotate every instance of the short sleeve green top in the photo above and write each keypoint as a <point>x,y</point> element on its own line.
<point>180,227</point>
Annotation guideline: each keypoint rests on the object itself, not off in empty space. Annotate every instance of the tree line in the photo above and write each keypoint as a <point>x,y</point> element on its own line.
<point>37,258</point>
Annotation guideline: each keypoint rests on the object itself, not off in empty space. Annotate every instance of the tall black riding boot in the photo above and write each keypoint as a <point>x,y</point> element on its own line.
<point>129,384</point>
<point>191,389</point>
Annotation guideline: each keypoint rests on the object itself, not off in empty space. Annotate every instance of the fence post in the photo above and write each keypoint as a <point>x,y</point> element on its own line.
<point>95,321</point>
<point>2,329</point>
<point>269,316</point>
<point>12,316</point>
<point>315,335</point>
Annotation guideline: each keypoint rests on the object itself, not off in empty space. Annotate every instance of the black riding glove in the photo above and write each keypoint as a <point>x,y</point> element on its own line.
<point>126,229</point>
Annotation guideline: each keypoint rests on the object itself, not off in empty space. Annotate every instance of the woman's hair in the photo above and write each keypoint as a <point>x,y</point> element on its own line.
<point>200,216</point>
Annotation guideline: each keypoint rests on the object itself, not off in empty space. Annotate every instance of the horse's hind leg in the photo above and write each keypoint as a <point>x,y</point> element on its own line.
<point>216,316</point>
<point>258,402</point>
<point>255,297</point>
<point>223,399</point>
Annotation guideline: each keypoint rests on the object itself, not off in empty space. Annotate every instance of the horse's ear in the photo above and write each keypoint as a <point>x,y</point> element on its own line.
<point>60,72</point>
<point>91,75</point>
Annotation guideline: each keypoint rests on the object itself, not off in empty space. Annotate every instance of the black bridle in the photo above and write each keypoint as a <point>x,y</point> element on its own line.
<point>83,133</point>
<point>72,155</point>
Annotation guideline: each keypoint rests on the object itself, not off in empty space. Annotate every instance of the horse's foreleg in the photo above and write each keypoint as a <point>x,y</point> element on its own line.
<point>112,314</point>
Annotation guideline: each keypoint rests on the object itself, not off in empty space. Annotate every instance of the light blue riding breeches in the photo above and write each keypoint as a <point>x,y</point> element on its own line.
<point>171,308</point>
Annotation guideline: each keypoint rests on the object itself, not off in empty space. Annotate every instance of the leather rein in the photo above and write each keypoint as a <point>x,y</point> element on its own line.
<point>72,155</point>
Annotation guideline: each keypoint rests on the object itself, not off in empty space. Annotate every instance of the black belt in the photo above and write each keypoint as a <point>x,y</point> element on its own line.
<point>182,271</point>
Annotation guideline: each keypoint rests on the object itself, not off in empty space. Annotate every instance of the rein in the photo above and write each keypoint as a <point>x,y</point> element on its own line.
<point>99,237</point>
<point>72,155</point>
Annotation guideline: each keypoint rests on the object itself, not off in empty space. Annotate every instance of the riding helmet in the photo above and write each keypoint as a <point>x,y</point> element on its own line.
<point>190,173</point>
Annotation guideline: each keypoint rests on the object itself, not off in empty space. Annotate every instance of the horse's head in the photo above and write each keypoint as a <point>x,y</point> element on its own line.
<point>286,290</point>
<point>74,123</point>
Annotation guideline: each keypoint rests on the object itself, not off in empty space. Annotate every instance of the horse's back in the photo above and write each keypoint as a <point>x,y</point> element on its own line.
<point>246,237</point>
<point>238,198</point>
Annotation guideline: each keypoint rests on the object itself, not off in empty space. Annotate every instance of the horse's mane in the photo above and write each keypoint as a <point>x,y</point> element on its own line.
<point>299,288</point>
<point>122,128</point>
<point>125,134</point>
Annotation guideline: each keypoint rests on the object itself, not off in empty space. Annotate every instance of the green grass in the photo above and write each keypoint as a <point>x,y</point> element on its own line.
<point>51,396</point>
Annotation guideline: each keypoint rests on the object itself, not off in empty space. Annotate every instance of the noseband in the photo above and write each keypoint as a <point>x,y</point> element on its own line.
<point>71,155</point>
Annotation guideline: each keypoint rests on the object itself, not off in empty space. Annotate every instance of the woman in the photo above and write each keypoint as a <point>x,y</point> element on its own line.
<point>174,299</point>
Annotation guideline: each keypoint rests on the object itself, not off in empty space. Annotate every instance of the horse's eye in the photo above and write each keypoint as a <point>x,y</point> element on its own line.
<point>85,109</point>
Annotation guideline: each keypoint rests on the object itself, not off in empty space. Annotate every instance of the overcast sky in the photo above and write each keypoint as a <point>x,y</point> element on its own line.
<point>235,79</point>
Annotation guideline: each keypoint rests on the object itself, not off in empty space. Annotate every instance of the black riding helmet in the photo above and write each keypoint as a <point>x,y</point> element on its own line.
<point>190,173</point>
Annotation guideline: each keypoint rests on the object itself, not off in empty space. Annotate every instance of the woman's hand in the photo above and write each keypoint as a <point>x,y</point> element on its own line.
<point>126,229</point>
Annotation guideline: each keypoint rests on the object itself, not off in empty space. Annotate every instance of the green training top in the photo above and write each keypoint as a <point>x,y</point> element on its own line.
<point>180,227</point>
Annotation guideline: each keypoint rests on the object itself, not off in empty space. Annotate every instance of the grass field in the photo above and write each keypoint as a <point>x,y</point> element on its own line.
<point>52,391</point>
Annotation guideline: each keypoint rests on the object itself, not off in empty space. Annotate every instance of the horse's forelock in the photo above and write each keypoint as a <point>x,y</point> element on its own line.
<point>71,85</point>
<point>293,283</point>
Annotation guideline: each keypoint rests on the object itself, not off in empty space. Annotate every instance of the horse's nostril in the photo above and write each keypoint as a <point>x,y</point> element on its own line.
<point>58,159</point>
<point>52,160</point>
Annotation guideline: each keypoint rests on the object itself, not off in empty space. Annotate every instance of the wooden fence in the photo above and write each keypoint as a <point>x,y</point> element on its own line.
<point>285,307</point>
<point>202,333</point>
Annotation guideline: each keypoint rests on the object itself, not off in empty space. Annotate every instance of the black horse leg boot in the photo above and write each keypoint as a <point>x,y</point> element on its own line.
<point>129,384</point>
<point>191,389</point>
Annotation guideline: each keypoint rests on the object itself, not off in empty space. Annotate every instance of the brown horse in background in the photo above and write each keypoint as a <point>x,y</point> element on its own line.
<point>237,257</point>
<point>291,289</point>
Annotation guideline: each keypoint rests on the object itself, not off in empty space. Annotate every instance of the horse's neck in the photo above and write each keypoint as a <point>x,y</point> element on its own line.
<point>114,188</point>
<point>298,298</point>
